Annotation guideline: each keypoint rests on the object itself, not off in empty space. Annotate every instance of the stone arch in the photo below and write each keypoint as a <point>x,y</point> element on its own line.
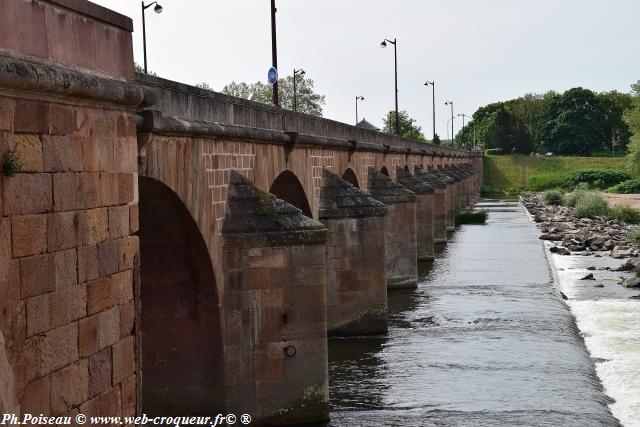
<point>287,187</point>
<point>182,347</point>
<point>384,170</point>
<point>350,176</point>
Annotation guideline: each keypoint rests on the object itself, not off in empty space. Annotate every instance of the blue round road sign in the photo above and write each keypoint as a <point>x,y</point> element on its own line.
<point>272,76</point>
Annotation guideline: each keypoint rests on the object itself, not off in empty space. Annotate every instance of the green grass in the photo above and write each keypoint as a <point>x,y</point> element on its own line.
<point>591,205</point>
<point>625,213</point>
<point>515,173</point>
<point>553,197</point>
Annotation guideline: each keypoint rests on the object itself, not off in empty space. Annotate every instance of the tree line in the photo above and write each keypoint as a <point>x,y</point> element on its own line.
<point>576,122</point>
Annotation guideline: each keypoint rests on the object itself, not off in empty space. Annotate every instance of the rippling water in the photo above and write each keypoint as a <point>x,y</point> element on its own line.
<point>483,341</point>
<point>610,323</point>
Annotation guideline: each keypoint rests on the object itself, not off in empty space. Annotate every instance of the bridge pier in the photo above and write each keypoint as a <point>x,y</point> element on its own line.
<point>439,203</point>
<point>274,309</point>
<point>424,212</point>
<point>450,196</point>
<point>355,257</point>
<point>399,229</point>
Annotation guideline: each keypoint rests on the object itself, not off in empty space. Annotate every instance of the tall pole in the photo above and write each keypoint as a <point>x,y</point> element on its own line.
<point>274,52</point>
<point>144,39</point>
<point>357,109</point>
<point>433,92</point>
<point>295,101</point>
<point>453,138</point>
<point>395,51</point>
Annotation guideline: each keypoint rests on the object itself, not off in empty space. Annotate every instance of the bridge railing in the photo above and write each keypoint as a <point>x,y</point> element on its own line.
<point>192,103</point>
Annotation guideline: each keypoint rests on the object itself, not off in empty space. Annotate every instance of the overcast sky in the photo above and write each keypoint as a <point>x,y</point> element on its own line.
<point>477,51</point>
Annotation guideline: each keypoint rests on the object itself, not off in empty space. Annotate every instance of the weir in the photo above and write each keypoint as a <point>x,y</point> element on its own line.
<point>122,171</point>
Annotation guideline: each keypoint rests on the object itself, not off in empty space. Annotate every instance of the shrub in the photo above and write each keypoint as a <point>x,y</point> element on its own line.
<point>599,179</point>
<point>634,236</point>
<point>629,186</point>
<point>471,217</point>
<point>625,213</point>
<point>590,205</point>
<point>573,198</point>
<point>553,197</point>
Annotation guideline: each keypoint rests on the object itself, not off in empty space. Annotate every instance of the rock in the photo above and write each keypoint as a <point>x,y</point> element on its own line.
<point>633,282</point>
<point>588,277</point>
<point>564,297</point>
<point>634,297</point>
<point>551,236</point>
<point>600,285</point>
<point>596,241</point>
<point>559,250</point>
<point>591,268</point>
<point>621,252</point>
<point>631,264</point>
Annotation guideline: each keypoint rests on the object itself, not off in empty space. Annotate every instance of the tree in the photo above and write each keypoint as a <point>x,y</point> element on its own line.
<point>436,139</point>
<point>575,123</point>
<point>307,100</point>
<point>204,85</point>
<point>408,128</point>
<point>632,119</point>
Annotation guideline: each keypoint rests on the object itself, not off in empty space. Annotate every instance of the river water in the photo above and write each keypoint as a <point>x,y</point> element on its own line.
<point>485,340</point>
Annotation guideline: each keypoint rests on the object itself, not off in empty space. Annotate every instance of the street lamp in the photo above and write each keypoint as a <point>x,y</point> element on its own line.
<point>274,53</point>
<point>358,98</point>
<point>395,50</point>
<point>157,9</point>
<point>296,73</point>
<point>433,91</point>
<point>464,116</point>
<point>452,136</point>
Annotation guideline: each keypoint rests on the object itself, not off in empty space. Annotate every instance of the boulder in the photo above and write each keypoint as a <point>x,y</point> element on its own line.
<point>559,250</point>
<point>551,236</point>
<point>633,282</point>
<point>588,277</point>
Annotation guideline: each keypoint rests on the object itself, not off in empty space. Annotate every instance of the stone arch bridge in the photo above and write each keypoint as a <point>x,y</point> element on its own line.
<point>170,250</point>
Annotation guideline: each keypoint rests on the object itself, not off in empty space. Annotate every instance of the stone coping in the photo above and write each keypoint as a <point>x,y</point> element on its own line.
<point>92,10</point>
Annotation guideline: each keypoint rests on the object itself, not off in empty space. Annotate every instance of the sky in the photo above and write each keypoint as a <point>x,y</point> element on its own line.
<point>477,51</point>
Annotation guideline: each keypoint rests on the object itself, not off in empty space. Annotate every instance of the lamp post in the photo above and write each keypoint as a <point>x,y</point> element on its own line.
<point>464,116</point>
<point>295,100</point>
<point>274,53</point>
<point>452,136</point>
<point>395,50</point>
<point>156,9</point>
<point>358,98</point>
<point>433,99</point>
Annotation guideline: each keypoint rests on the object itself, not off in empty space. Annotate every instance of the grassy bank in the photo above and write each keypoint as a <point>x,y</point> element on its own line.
<point>513,174</point>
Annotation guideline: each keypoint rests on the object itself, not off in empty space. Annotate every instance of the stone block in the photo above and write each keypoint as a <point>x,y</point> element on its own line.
<point>59,31</point>
<point>108,257</point>
<point>87,263</point>
<point>134,218</point>
<point>38,314</point>
<point>128,390</point>
<point>32,29</point>
<point>108,193</point>
<point>9,26</point>
<point>94,226</point>
<point>122,287</point>
<point>67,305</point>
<point>118,222</point>
<point>99,295</point>
<point>62,231</point>
<point>123,359</point>
<point>37,275</point>
<point>59,348</point>
<point>31,116</point>
<point>88,190</point>
<point>35,397</point>
<point>129,249</point>
<point>69,387</point>
<point>84,47</point>
<point>98,331</point>
<point>28,194</point>
<point>62,153</point>
<point>110,403</point>
<point>127,319</point>
<point>100,372</point>
<point>7,107</point>
<point>125,188</point>
<point>90,154</point>
<point>91,407</point>
<point>106,48</point>
<point>65,195</point>
<point>63,122</point>
<point>29,235</point>
<point>28,150</point>
<point>66,265</point>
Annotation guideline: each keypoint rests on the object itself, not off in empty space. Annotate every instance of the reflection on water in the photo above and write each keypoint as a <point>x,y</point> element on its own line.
<point>483,341</point>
